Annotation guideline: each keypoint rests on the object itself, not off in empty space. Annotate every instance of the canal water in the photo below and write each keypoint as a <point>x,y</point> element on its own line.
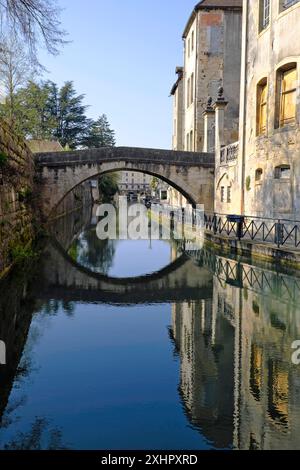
<point>139,345</point>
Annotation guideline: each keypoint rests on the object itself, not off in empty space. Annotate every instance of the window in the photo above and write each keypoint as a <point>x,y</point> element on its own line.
<point>262,98</point>
<point>285,4</point>
<point>256,371</point>
<point>222,193</point>
<point>191,140</point>
<point>188,142</point>
<point>286,95</point>
<point>283,172</point>
<point>189,47</point>
<point>192,89</point>
<point>188,92</point>
<point>228,194</point>
<point>258,174</point>
<point>278,392</point>
<point>193,41</point>
<point>264,14</point>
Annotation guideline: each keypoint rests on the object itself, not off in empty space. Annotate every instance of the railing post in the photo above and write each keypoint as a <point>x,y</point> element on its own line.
<point>239,230</point>
<point>239,275</point>
<point>215,223</point>
<point>279,233</point>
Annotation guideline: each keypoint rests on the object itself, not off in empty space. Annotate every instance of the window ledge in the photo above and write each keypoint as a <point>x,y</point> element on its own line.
<point>287,128</point>
<point>264,30</point>
<point>262,136</point>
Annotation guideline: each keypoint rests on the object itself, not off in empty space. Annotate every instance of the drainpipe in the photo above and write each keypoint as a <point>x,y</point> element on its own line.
<point>243,105</point>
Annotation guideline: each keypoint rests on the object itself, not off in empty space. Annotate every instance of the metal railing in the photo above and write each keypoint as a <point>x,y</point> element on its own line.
<point>273,283</point>
<point>229,153</point>
<point>279,232</point>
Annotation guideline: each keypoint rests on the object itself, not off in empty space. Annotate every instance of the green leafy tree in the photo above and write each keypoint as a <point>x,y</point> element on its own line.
<point>99,134</point>
<point>72,123</point>
<point>33,115</point>
<point>43,111</point>
<point>108,185</point>
<point>154,183</point>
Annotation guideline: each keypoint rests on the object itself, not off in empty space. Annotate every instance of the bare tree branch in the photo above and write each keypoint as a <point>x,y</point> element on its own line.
<point>34,21</point>
<point>16,68</point>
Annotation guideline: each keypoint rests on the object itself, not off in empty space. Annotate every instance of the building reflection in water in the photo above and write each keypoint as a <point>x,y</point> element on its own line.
<point>238,385</point>
<point>237,380</point>
<point>205,345</point>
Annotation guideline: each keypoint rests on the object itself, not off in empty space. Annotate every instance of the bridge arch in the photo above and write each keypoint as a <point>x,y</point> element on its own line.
<point>192,174</point>
<point>70,281</point>
<point>188,195</point>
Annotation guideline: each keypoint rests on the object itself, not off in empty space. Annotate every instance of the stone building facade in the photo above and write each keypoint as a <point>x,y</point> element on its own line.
<point>270,112</point>
<point>259,175</point>
<point>134,181</point>
<point>212,56</point>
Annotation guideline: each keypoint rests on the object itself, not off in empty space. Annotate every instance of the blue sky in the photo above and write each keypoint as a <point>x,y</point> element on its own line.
<point>122,57</point>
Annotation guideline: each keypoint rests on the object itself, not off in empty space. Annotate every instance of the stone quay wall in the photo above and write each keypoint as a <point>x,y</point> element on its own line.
<point>17,213</point>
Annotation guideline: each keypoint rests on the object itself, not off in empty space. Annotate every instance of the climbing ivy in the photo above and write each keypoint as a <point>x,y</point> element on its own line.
<point>3,159</point>
<point>248,183</point>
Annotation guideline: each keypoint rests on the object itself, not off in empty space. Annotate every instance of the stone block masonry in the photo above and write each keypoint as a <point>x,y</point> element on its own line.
<point>16,196</point>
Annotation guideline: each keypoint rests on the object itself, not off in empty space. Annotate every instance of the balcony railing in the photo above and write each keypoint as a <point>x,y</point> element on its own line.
<point>229,153</point>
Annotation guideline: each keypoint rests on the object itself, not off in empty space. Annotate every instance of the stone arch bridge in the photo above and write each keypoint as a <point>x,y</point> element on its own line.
<point>60,172</point>
<point>181,280</point>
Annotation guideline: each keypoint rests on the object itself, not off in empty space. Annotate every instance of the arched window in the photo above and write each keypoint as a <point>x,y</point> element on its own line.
<point>262,100</point>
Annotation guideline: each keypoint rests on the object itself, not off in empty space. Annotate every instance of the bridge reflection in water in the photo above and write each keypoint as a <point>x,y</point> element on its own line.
<point>232,327</point>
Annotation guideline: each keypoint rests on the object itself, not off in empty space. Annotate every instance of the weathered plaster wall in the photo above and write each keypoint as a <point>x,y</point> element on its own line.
<point>267,51</point>
<point>218,63</point>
